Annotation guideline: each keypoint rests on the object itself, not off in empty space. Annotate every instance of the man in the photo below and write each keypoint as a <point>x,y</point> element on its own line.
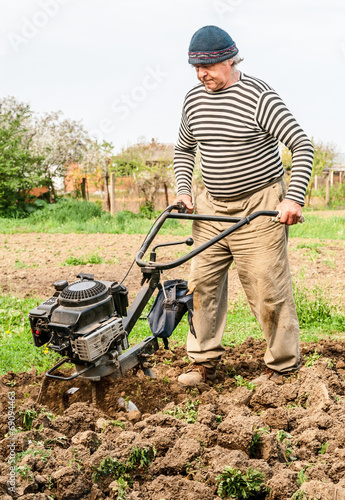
<point>237,122</point>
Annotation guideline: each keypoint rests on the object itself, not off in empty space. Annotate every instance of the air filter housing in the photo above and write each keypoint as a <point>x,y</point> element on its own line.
<point>83,293</point>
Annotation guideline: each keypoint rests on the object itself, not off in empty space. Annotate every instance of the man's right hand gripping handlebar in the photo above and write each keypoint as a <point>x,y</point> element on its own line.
<point>186,200</point>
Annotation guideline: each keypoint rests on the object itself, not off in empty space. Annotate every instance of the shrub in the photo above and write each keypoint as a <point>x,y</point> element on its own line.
<point>67,210</point>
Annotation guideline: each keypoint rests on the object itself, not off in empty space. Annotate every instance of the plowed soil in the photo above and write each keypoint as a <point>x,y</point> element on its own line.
<point>279,428</point>
<point>292,429</point>
<point>30,263</point>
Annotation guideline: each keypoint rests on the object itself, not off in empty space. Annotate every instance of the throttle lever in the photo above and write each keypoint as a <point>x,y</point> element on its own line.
<point>189,241</point>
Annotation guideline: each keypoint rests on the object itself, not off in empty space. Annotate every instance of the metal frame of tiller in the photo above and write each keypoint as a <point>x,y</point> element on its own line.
<point>137,355</point>
<point>152,270</point>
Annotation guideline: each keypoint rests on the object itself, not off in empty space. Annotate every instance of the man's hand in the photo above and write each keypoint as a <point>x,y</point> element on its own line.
<point>290,212</point>
<point>187,200</point>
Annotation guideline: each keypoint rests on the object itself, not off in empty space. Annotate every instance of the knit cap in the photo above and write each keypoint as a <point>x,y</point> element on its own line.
<point>211,45</point>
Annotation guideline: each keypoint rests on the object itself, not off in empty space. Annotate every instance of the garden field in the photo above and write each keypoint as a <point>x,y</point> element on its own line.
<point>225,439</point>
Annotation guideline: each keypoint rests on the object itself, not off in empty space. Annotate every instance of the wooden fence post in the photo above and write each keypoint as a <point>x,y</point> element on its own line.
<point>112,193</point>
<point>327,190</point>
<point>107,190</point>
<point>83,188</point>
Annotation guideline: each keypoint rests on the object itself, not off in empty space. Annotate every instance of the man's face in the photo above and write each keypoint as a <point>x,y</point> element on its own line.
<point>214,76</point>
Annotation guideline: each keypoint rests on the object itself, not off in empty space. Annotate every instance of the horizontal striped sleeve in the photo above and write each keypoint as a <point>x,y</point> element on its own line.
<point>184,158</point>
<point>273,117</point>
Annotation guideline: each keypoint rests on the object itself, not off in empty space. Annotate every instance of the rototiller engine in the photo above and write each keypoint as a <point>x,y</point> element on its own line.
<point>88,323</point>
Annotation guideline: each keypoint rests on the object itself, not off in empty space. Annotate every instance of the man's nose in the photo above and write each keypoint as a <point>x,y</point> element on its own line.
<point>202,72</point>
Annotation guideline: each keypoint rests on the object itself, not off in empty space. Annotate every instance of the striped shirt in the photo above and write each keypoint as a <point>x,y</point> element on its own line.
<point>238,132</point>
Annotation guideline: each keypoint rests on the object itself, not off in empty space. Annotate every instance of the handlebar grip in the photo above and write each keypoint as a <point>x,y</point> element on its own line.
<point>279,213</point>
<point>182,208</point>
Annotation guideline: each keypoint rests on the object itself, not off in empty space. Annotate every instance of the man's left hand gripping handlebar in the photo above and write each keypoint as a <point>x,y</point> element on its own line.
<point>289,212</point>
<point>186,199</point>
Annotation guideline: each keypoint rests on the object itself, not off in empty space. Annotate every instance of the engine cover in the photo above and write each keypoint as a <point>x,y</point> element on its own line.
<point>82,320</point>
<point>91,347</point>
<point>83,293</point>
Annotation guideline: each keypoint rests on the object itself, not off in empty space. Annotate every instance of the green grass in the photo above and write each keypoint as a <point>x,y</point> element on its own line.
<point>93,258</point>
<point>315,311</point>
<point>18,352</point>
<point>318,319</point>
<point>75,216</point>
<point>322,228</point>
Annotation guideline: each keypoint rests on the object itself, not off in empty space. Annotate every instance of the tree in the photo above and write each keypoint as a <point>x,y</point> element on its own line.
<point>59,141</point>
<point>286,158</point>
<point>20,168</point>
<point>93,165</point>
<point>38,149</point>
<point>150,164</point>
<point>325,155</point>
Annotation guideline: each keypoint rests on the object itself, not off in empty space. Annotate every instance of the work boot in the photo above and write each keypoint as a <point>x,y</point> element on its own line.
<point>268,374</point>
<point>196,374</point>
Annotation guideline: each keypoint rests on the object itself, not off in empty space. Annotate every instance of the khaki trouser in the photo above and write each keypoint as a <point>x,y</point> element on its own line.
<point>259,250</point>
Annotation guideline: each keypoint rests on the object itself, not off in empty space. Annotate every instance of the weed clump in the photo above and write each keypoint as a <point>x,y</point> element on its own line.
<point>109,467</point>
<point>323,448</point>
<point>311,358</point>
<point>284,437</point>
<point>189,413</point>
<point>301,477</point>
<point>241,382</point>
<point>115,423</point>
<point>299,495</point>
<point>43,454</point>
<point>281,435</point>
<point>93,258</point>
<point>141,457</point>
<point>256,439</point>
<point>28,418</point>
<point>121,471</point>
<point>234,483</point>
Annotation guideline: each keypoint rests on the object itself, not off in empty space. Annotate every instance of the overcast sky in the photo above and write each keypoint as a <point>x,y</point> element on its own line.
<point>121,66</point>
